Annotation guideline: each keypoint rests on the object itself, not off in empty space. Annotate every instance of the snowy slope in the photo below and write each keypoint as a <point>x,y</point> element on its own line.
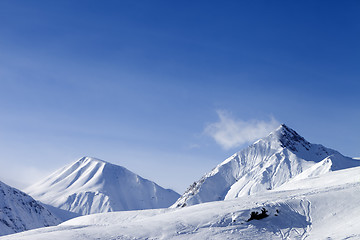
<point>90,185</point>
<point>20,212</point>
<point>266,164</point>
<point>321,207</point>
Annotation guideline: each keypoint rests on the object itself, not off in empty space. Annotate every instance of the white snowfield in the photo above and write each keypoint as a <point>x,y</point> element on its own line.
<point>322,207</point>
<point>280,187</point>
<point>90,185</point>
<point>265,165</point>
<point>20,212</point>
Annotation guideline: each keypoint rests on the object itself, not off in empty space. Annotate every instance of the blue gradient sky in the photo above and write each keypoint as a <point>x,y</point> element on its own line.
<point>136,83</point>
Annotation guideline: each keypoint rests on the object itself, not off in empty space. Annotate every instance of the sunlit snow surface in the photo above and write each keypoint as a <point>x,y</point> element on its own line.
<point>264,165</point>
<point>309,192</point>
<point>322,207</point>
<point>91,185</point>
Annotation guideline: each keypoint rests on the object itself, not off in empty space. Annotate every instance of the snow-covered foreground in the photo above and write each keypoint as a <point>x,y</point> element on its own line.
<point>323,207</point>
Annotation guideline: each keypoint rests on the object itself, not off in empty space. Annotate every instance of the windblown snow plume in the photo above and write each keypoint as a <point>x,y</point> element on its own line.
<point>265,165</point>
<point>229,132</point>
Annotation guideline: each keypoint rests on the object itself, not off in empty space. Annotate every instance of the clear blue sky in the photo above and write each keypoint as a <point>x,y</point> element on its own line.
<point>137,83</point>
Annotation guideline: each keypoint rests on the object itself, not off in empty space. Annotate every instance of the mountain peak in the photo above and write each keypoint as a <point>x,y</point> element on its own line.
<point>283,128</point>
<point>90,159</point>
<point>264,165</point>
<point>290,139</point>
<point>91,185</point>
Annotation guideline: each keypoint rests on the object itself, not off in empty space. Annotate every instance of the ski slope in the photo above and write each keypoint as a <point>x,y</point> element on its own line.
<point>318,207</point>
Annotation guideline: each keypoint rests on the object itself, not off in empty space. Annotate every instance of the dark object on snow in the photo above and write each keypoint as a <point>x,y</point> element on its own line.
<point>277,212</point>
<point>258,216</point>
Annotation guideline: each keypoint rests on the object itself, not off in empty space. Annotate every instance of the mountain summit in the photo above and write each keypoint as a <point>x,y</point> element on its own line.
<point>91,185</point>
<point>265,165</point>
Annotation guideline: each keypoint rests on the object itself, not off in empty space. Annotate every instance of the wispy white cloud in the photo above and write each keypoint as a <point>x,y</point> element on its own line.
<point>229,132</point>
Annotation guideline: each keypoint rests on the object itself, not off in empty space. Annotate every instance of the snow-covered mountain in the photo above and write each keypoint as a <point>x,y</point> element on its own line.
<point>90,185</point>
<point>20,212</point>
<point>322,207</point>
<point>265,165</point>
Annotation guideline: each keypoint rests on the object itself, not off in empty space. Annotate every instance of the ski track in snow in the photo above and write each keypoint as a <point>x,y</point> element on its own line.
<point>266,164</point>
<point>298,209</point>
<point>285,235</point>
<point>297,188</point>
<point>306,207</point>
